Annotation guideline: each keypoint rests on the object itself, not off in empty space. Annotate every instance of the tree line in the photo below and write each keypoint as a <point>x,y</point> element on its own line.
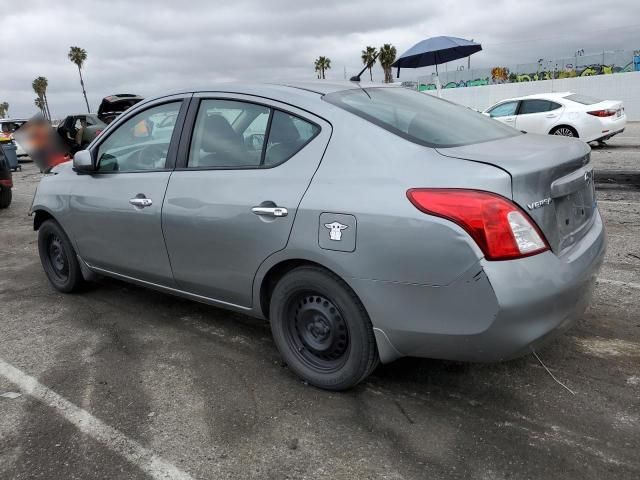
<point>385,56</point>
<point>77,56</point>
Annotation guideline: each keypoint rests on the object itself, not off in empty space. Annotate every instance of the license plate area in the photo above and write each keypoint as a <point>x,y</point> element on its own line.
<point>574,213</point>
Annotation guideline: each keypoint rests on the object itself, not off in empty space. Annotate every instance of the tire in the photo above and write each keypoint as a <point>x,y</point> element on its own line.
<point>564,131</point>
<point>58,258</point>
<point>5,197</point>
<point>322,330</point>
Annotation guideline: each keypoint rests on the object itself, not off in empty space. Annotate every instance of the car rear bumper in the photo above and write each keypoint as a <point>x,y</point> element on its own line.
<point>604,128</point>
<point>496,311</point>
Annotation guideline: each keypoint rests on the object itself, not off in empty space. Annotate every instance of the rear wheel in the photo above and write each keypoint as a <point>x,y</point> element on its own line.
<point>5,197</point>
<point>58,258</point>
<point>564,131</point>
<point>322,330</point>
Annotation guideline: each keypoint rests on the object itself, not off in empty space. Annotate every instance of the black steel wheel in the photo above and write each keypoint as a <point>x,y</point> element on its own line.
<point>58,258</point>
<point>322,329</point>
<point>317,331</point>
<point>5,197</point>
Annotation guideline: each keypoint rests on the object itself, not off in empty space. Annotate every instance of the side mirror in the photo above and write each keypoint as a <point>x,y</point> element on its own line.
<point>83,162</point>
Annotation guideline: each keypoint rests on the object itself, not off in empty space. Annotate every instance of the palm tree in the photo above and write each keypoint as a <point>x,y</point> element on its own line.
<point>369,59</point>
<point>322,64</point>
<point>386,59</point>
<point>4,109</point>
<point>40,85</point>
<point>39,102</point>
<point>78,56</point>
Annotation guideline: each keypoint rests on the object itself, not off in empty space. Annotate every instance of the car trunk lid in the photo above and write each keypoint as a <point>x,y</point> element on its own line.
<point>552,180</point>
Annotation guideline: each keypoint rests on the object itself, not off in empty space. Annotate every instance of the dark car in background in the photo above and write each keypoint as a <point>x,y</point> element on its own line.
<point>114,105</point>
<point>79,130</point>
<point>6,181</point>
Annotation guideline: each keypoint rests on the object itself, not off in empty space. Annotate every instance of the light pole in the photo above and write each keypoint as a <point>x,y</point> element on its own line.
<point>577,54</point>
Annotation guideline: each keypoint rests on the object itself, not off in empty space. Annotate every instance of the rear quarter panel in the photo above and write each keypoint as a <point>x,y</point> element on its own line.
<point>366,172</point>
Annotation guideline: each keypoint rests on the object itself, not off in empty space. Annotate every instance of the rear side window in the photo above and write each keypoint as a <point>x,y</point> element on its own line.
<point>537,106</point>
<point>583,99</point>
<point>287,136</point>
<point>419,117</point>
<point>236,134</point>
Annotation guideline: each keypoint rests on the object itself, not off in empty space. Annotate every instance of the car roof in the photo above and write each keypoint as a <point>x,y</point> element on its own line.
<point>551,96</point>
<point>318,87</point>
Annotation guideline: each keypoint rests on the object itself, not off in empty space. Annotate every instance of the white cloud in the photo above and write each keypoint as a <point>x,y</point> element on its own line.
<point>153,47</point>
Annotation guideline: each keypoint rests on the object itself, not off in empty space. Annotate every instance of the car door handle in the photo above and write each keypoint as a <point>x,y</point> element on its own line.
<point>270,211</point>
<point>509,120</point>
<point>551,115</point>
<point>141,202</point>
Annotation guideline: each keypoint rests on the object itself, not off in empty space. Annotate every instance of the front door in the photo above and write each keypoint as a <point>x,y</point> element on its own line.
<point>505,112</point>
<point>233,198</point>
<point>116,211</point>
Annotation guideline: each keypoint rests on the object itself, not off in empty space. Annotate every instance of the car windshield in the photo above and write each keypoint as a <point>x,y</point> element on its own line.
<point>583,99</point>
<point>419,117</point>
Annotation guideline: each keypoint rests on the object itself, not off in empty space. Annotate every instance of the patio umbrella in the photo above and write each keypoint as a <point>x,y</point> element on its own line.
<point>434,51</point>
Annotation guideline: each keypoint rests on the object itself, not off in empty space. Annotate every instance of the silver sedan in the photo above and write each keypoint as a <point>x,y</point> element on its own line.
<point>365,223</point>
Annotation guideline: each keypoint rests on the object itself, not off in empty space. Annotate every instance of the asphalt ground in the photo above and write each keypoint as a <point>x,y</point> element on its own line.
<point>121,382</point>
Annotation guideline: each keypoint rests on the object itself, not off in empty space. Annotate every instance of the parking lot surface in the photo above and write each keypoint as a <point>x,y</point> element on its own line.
<point>121,382</point>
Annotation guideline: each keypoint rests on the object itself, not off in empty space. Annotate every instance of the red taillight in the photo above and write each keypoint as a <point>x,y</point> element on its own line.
<point>603,113</point>
<point>499,227</point>
<point>8,183</point>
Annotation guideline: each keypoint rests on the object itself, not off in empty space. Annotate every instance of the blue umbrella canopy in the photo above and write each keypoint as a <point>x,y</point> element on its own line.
<point>436,50</point>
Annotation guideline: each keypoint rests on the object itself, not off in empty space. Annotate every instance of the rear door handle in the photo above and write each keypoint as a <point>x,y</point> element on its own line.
<point>551,115</point>
<point>270,211</point>
<point>141,202</point>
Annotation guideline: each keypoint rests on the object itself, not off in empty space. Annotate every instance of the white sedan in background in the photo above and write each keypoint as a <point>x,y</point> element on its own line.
<point>568,114</point>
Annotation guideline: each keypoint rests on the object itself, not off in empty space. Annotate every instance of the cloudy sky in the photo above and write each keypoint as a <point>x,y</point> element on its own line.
<point>150,47</point>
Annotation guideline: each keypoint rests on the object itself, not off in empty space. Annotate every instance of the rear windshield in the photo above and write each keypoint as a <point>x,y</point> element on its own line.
<point>583,99</point>
<point>419,117</point>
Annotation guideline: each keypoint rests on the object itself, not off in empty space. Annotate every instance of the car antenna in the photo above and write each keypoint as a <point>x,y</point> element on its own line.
<point>356,78</point>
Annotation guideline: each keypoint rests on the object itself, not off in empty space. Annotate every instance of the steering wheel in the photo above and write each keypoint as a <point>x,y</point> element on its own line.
<point>147,157</point>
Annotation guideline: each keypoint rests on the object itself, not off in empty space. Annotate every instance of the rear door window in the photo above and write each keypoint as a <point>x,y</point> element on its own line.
<point>537,106</point>
<point>288,134</point>
<point>232,134</point>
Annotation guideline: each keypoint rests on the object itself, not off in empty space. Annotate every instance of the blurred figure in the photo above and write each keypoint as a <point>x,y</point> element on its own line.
<point>43,144</point>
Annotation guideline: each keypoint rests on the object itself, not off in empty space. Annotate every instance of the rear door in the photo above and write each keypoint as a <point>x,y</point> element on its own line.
<point>505,112</point>
<point>538,115</point>
<point>243,168</point>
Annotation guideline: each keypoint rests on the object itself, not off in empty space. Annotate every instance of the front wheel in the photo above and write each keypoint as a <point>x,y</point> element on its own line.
<point>322,330</point>
<point>58,258</point>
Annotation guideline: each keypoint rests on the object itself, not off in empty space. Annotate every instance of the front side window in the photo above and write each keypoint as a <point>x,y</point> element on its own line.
<point>419,117</point>
<point>504,109</point>
<point>139,143</point>
<point>537,106</point>
<point>237,134</point>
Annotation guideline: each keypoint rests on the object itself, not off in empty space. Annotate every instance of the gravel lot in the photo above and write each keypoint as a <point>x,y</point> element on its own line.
<point>135,384</point>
